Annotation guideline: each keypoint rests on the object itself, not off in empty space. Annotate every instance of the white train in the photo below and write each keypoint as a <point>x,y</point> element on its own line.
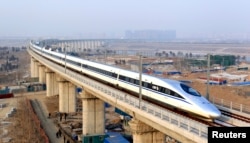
<point>164,91</point>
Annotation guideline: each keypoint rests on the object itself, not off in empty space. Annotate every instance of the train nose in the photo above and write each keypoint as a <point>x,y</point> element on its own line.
<point>214,114</point>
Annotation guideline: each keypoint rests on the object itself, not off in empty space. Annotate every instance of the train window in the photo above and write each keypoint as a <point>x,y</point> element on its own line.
<point>175,94</point>
<point>114,75</point>
<point>131,80</point>
<point>137,82</point>
<point>95,69</point>
<point>109,74</point>
<point>167,91</point>
<point>106,73</point>
<point>101,71</point>
<point>161,89</point>
<point>127,79</point>
<point>144,84</point>
<point>73,62</point>
<point>98,70</point>
<point>84,66</point>
<point>190,90</point>
<point>149,85</point>
<point>121,77</point>
<point>57,57</point>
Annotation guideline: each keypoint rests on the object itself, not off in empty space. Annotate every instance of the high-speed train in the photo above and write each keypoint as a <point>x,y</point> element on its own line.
<point>170,92</point>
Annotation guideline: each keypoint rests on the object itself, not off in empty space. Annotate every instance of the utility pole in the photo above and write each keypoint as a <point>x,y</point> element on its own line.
<point>140,82</point>
<point>208,75</point>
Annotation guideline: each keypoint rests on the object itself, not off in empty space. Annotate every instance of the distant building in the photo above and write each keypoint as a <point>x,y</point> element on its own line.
<point>161,35</point>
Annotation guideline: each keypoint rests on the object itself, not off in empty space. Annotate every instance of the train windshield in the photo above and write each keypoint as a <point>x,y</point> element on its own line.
<point>190,90</point>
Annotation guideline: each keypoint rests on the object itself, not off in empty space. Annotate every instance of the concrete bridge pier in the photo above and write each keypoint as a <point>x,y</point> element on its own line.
<point>85,45</point>
<point>51,83</point>
<point>67,96</point>
<point>35,70</point>
<point>32,67</point>
<point>92,114</point>
<point>42,77</point>
<point>143,133</point>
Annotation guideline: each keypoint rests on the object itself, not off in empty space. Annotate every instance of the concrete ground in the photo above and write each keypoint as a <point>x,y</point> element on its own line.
<point>48,124</point>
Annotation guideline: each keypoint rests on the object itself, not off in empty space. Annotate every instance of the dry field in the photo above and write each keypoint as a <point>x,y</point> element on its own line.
<point>23,127</point>
<point>226,48</point>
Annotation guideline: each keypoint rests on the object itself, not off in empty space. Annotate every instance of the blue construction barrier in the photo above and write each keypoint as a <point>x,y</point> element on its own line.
<point>115,137</point>
<point>246,83</point>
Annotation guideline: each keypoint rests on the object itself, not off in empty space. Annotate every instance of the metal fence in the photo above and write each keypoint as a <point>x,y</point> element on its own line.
<point>231,105</point>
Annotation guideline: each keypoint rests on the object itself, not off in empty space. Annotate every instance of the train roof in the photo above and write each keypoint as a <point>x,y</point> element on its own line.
<point>127,72</point>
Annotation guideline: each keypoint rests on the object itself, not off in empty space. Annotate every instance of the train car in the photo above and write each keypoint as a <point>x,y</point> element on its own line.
<point>165,91</point>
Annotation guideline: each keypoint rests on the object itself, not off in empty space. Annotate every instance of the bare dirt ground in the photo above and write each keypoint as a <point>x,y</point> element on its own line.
<point>51,104</point>
<point>23,126</point>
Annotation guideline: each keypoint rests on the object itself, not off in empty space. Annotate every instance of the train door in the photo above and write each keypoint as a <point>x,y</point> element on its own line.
<point>146,88</point>
<point>81,67</point>
<point>117,79</point>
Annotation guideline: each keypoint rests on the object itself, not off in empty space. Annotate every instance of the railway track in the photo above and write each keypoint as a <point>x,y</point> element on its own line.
<point>222,124</point>
<point>235,116</point>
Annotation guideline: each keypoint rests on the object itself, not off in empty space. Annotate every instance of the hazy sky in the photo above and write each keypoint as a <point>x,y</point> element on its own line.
<point>86,17</point>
